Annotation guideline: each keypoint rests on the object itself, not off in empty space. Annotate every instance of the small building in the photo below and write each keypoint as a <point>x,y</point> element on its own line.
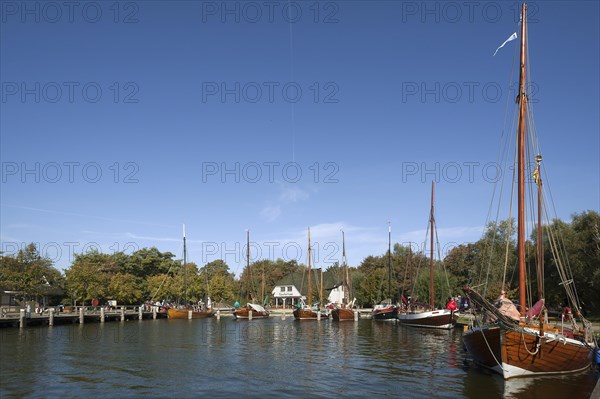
<point>286,295</point>
<point>9,298</point>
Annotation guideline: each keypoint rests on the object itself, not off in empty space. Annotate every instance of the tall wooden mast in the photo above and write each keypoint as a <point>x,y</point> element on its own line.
<point>184,270</point>
<point>344,271</point>
<point>540,247</point>
<point>309,293</point>
<point>321,289</point>
<point>522,98</point>
<point>390,261</point>
<point>431,222</point>
<point>248,262</point>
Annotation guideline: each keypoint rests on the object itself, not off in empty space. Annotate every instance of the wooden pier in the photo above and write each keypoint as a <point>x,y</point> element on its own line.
<point>79,314</point>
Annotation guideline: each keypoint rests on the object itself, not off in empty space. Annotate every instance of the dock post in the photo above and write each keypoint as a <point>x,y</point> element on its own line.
<point>356,315</point>
<point>319,315</point>
<point>102,315</point>
<point>122,313</point>
<point>153,312</point>
<point>249,315</point>
<point>81,318</point>
<point>51,317</point>
<point>140,314</point>
<point>189,315</point>
<point>283,315</point>
<point>22,318</point>
<point>219,314</point>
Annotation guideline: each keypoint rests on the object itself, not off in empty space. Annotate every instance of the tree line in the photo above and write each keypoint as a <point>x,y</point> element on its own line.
<point>149,274</point>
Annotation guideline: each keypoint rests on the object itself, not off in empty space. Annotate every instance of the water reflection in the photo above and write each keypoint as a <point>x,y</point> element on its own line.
<point>269,357</point>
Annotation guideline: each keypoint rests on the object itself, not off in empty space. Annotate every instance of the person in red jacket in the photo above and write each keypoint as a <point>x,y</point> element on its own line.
<point>451,305</point>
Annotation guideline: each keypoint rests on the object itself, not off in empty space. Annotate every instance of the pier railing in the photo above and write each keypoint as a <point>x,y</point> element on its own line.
<point>21,316</point>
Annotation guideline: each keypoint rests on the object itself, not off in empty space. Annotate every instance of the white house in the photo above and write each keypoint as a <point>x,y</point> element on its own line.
<point>286,295</point>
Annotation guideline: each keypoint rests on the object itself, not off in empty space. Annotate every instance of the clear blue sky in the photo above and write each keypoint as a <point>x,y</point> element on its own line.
<point>117,123</point>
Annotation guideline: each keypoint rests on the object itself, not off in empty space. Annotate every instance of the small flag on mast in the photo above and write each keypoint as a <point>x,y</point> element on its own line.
<point>511,38</point>
<point>536,175</point>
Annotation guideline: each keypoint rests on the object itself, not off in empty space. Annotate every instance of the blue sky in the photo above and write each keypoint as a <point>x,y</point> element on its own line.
<point>121,121</point>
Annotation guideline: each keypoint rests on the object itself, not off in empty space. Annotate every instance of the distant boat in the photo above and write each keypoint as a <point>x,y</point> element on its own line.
<point>343,311</point>
<point>426,315</point>
<point>305,311</point>
<point>186,311</point>
<point>520,343</point>
<point>258,311</point>
<point>387,311</point>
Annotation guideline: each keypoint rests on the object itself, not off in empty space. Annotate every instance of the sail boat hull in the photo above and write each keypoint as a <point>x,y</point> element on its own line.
<point>442,319</point>
<point>387,313</point>
<point>308,314</point>
<point>521,352</point>
<point>257,312</point>
<point>342,314</point>
<point>174,313</point>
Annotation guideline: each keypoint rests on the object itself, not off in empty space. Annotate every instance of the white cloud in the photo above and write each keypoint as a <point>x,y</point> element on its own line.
<point>293,194</point>
<point>271,213</point>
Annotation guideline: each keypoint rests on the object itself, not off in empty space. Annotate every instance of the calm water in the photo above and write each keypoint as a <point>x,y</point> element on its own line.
<point>261,358</point>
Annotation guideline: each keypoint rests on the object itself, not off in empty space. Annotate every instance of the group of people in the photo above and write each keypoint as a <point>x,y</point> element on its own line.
<point>463,302</point>
<point>205,306</point>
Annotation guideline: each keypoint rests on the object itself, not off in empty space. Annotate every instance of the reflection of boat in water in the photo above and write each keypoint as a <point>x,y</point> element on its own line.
<point>186,311</point>
<point>305,311</point>
<point>427,315</point>
<point>516,343</point>
<point>558,386</point>
<point>579,386</point>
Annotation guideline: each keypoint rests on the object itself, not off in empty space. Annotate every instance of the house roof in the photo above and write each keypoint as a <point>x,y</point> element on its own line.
<point>331,279</point>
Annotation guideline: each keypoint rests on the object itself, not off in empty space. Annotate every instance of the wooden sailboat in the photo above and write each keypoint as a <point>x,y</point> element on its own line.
<point>251,310</point>
<point>387,311</point>
<point>429,317</point>
<point>344,311</point>
<point>521,346</point>
<point>305,311</point>
<point>185,311</point>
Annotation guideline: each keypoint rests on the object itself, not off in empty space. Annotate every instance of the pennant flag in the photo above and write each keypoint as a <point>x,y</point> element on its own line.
<point>511,38</point>
<point>536,175</point>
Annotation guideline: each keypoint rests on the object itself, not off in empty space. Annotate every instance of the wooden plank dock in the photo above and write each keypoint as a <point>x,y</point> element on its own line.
<point>80,314</point>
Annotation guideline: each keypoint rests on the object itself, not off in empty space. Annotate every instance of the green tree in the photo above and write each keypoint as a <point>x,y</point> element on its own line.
<point>222,288</point>
<point>29,272</point>
<point>149,262</point>
<point>368,286</point>
<point>220,283</point>
<point>86,280</point>
<point>161,286</point>
<point>442,281</point>
<point>125,288</point>
<point>195,286</point>
<point>460,262</point>
<point>578,243</point>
